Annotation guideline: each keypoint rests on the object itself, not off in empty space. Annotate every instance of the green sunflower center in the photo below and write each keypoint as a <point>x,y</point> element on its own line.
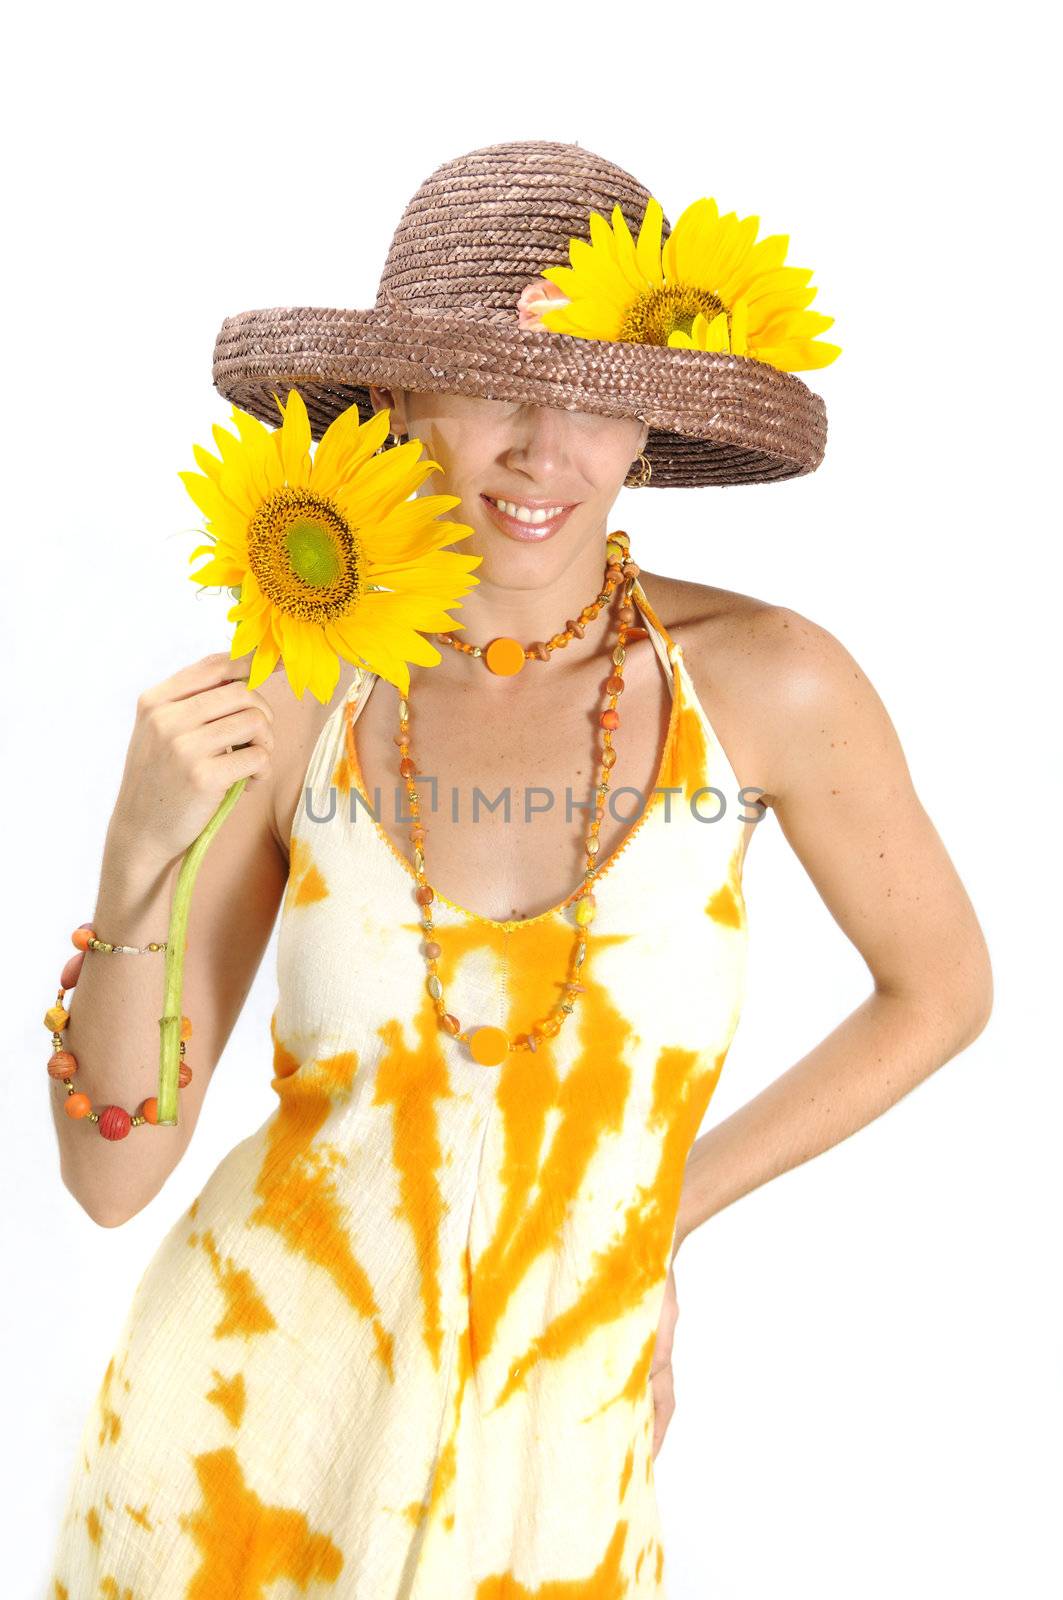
<point>667,310</point>
<point>304,555</point>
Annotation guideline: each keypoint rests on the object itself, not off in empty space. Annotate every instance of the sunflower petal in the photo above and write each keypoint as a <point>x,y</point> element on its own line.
<point>295,441</point>
<point>627,255</point>
<point>384,482</point>
<point>293,654</point>
<point>795,325</point>
<point>209,498</point>
<point>261,457</point>
<point>266,657</point>
<point>689,242</point>
<point>648,248</point>
<point>345,445</point>
<point>249,634</point>
<point>371,647</point>
<point>563,277</point>
<point>219,571</point>
<point>411,529</point>
<point>799,355</point>
<point>321,663</point>
<point>442,584</point>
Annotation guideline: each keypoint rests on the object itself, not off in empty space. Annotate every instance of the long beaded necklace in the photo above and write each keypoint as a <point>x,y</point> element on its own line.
<point>487,1044</point>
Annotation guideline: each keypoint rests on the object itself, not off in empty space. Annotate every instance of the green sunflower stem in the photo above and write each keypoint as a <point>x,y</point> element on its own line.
<point>170,1021</point>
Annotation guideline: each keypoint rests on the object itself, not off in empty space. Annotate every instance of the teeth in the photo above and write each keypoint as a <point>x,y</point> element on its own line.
<point>523,514</point>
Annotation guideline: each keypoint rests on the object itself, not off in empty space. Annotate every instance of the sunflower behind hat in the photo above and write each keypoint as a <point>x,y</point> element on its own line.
<point>484,227</point>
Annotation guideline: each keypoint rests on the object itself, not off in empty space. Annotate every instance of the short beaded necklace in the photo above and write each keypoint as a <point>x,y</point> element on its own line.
<point>489,1045</point>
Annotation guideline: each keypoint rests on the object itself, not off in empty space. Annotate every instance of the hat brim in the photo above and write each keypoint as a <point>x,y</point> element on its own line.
<point>713,418</point>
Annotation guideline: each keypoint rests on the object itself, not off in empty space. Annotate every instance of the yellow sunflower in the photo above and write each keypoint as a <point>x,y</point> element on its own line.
<point>710,287</point>
<point>331,555</point>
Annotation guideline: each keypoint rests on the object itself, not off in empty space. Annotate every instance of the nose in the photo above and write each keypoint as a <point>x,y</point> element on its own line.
<point>541,445</point>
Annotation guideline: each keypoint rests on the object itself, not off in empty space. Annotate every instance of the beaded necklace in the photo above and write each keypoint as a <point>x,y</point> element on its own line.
<point>487,1044</point>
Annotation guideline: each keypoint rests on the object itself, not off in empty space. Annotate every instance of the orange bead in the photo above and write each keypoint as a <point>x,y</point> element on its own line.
<point>450,1023</point>
<point>186,1027</point>
<point>614,684</point>
<point>82,935</point>
<point>609,719</point>
<point>609,756</point>
<point>62,1065</point>
<point>504,656</point>
<point>424,894</point>
<point>489,1046</point>
<point>77,1105</point>
<point>150,1109</point>
<point>56,1018</point>
<point>550,1027</point>
<point>72,971</point>
<point>407,768</point>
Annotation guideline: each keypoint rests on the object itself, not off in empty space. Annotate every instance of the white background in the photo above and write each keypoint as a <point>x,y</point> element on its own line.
<point>867,1358</point>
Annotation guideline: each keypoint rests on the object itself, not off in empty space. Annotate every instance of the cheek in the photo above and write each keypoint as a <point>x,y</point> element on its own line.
<point>607,458</point>
<point>464,453</point>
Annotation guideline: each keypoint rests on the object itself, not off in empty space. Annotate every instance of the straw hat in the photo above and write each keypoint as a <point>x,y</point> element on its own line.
<point>477,231</point>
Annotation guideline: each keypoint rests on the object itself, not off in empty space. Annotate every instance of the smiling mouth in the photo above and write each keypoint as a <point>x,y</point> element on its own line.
<point>530,525</point>
<point>535,513</point>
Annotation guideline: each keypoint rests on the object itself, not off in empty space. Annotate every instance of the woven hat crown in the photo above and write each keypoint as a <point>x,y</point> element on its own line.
<point>476,233</point>
<point>481,226</point>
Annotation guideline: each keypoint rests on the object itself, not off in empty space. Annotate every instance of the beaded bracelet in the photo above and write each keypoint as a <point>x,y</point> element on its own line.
<point>114,1122</point>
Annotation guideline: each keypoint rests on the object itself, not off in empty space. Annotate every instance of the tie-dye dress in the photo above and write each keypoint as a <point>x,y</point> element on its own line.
<point>399,1346</point>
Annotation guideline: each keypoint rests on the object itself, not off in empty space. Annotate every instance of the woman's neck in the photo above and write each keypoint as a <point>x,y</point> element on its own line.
<point>532,615</point>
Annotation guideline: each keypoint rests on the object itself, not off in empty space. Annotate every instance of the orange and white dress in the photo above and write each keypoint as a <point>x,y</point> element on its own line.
<point>399,1346</point>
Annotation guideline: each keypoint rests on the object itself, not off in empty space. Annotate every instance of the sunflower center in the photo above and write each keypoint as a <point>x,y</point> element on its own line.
<point>667,310</point>
<point>312,554</point>
<point>304,555</point>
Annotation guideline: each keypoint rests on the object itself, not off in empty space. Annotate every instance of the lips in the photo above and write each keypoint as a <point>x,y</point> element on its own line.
<point>528,532</point>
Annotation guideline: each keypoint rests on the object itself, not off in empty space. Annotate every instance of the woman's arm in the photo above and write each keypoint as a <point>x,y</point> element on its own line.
<point>839,784</point>
<point>116,1004</point>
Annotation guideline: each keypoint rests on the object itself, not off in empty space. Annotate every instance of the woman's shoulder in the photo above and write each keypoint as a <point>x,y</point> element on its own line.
<point>762,670</point>
<point>750,640</point>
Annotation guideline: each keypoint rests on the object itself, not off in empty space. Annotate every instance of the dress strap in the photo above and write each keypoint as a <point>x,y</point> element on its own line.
<point>663,642</point>
<point>358,688</point>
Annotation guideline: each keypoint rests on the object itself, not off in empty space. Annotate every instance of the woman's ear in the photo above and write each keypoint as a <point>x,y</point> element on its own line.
<point>394,401</point>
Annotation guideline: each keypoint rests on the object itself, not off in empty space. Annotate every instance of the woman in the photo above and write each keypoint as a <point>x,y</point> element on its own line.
<point>413,1338</point>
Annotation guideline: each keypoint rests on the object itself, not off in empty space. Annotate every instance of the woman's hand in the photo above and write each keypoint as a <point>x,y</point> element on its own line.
<point>661,1365</point>
<point>195,734</point>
